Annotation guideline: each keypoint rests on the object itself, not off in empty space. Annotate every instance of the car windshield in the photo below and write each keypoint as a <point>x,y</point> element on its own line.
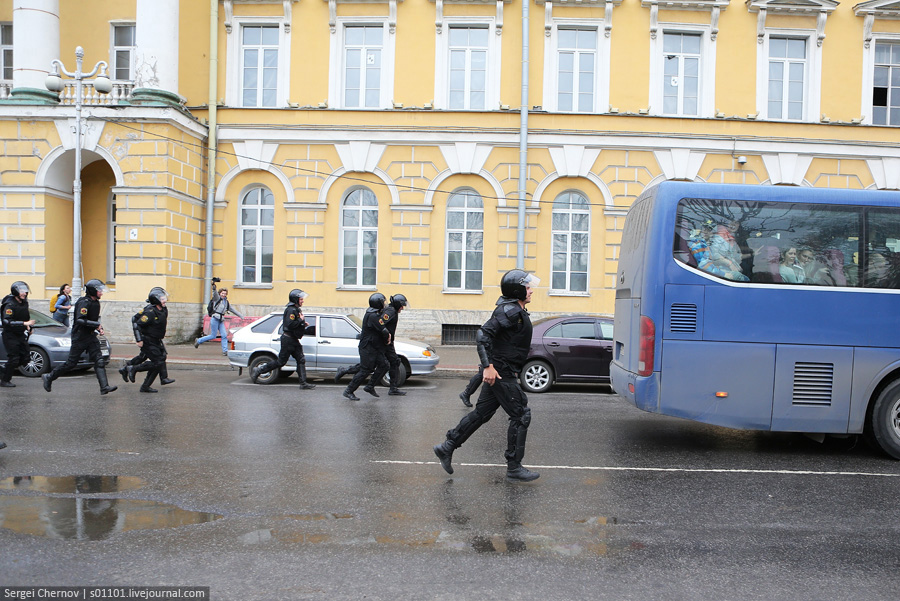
<point>41,320</point>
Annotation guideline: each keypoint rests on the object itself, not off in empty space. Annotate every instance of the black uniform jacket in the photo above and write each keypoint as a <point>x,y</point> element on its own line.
<point>505,338</point>
<point>293,325</point>
<point>87,317</point>
<point>14,314</point>
<point>150,322</point>
<point>374,329</point>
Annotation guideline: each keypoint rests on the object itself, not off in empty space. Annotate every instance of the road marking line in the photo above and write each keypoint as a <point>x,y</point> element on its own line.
<point>654,469</point>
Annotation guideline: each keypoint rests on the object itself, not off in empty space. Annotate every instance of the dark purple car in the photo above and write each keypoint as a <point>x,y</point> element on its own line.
<point>568,349</point>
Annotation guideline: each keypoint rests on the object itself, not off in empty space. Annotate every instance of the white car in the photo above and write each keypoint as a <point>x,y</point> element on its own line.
<point>334,344</point>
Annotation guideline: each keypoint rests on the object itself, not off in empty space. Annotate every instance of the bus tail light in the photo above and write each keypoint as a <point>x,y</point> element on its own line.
<point>648,341</point>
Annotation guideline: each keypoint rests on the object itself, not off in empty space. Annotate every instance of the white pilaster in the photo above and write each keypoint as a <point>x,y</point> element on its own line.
<point>35,41</point>
<point>156,37</point>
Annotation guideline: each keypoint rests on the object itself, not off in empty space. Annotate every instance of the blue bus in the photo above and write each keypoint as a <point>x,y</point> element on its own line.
<point>762,307</point>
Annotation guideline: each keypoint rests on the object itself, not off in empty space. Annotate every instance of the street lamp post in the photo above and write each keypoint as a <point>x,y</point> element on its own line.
<point>55,84</point>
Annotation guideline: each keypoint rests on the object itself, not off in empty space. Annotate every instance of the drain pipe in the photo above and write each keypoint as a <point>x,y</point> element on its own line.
<point>523,143</point>
<point>212,143</point>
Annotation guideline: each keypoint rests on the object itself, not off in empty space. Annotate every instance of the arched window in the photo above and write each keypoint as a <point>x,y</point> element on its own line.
<point>465,240</point>
<point>257,236</point>
<point>571,241</point>
<point>359,238</point>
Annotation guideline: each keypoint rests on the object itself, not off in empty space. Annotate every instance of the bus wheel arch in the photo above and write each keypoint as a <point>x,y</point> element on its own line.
<point>882,427</point>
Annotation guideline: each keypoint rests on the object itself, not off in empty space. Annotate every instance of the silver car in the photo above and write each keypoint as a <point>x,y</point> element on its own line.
<point>334,344</point>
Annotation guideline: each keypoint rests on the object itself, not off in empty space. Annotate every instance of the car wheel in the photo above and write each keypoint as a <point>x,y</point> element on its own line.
<point>268,378</point>
<point>882,429</point>
<point>402,375</point>
<point>536,376</point>
<point>38,363</point>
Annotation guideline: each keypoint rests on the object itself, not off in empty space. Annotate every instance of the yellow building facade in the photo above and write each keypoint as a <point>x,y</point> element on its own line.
<point>362,146</point>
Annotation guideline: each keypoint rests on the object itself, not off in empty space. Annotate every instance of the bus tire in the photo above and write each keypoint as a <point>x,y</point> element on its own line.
<point>883,421</point>
<point>536,376</point>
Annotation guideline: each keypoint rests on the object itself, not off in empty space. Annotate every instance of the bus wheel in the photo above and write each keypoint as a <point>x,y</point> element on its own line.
<point>536,376</point>
<point>883,424</point>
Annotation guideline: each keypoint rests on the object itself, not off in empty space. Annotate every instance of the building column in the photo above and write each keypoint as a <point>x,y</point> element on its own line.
<point>35,45</point>
<point>156,54</point>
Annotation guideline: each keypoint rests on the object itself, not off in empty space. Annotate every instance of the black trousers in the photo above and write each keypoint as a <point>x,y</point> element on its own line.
<point>290,347</point>
<point>390,365</point>
<point>504,393</point>
<point>81,343</point>
<point>16,353</point>
<point>155,352</point>
<point>371,360</point>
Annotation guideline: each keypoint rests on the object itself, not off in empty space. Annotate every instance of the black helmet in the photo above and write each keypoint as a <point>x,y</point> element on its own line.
<point>157,295</point>
<point>515,282</point>
<point>18,288</point>
<point>398,300</point>
<point>376,301</point>
<point>93,286</point>
<point>296,294</point>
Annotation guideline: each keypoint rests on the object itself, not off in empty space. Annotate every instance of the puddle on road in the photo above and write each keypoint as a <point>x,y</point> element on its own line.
<point>67,514</point>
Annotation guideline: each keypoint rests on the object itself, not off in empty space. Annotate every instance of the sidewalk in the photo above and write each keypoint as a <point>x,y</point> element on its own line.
<point>455,361</point>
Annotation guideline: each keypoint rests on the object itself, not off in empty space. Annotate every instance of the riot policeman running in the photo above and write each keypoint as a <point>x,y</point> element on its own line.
<point>294,326</point>
<point>373,342</point>
<point>149,325</point>
<point>85,327</point>
<point>17,323</point>
<point>502,343</point>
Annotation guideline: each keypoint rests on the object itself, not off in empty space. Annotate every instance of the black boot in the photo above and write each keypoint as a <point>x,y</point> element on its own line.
<point>394,391</point>
<point>444,452</point>
<point>164,376</point>
<point>465,398</point>
<point>123,371</point>
<point>130,371</point>
<point>257,371</point>
<point>370,389</point>
<point>348,394</point>
<point>105,388</point>
<point>304,385</point>
<point>341,372</point>
<point>48,381</point>
<point>7,384</point>
<point>517,473</point>
<point>151,375</point>
<point>2,445</point>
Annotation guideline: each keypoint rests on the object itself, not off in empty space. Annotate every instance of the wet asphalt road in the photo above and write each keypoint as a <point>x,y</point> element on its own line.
<point>321,498</point>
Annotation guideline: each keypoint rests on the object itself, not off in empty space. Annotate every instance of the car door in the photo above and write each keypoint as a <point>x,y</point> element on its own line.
<point>310,352</point>
<point>605,335</point>
<point>574,346</point>
<point>337,341</point>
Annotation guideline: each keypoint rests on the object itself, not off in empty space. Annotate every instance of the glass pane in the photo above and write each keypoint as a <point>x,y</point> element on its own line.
<point>881,76</point>
<point>248,98</point>
<point>559,281</point>
<point>251,78</point>
<point>351,218</point>
<point>777,47</point>
<point>373,36</point>
<point>351,98</point>
<point>459,36</point>
<point>796,48</point>
<point>478,79</point>
<point>268,98</point>
<point>578,282</point>
<point>691,67</point>
<point>270,58</point>
<point>370,239</point>
<point>477,101</point>
<point>249,237</point>
<point>353,58</point>
<point>252,35</point>
<point>559,261</point>
<point>566,61</point>
<point>454,279</point>
<point>455,220</point>
<point>895,54</point>
<point>475,220</point>
<point>268,239</point>
<point>369,277</point>
<point>249,217</point>
<point>587,39</point>
<point>479,59</point>
<point>373,60</point>
<point>690,106</point>
<point>349,276</point>
<point>691,44</point>
<point>566,81</point>
<point>354,35</point>
<point>369,218</point>
<point>124,35</point>
<point>474,241</point>
<point>473,280</point>
<point>672,43</point>
<point>564,102</point>
<point>560,221</point>
<point>268,217</point>
<point>369,259</point>
<point>454,260</point>
<point>795,110</point>
<point>567,38</point>
<point>454,241</point>
<point>879,115</point>
<point>6,35</point>
<point>579,262</point>
<point>776,70</point>
<point>882,53</point>
<point>457,100</point>
<point>478,37</point>
<point>373,98</point>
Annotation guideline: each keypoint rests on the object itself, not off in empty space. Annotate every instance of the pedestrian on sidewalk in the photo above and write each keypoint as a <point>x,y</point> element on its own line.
<point>502,343</point>
<point>373,342</point>
<point>294,326</point>
<point>149,327</point>
<point>216,309</point>
<point>60,309</point>
<point>85,328</point>
<point>17,323</point>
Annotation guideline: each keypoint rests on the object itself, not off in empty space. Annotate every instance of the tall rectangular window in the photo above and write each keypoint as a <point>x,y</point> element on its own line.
<point>259,66</point>
<point>681,74</point>
<point>359,233</point>
<point>363,48</point>
<point>468,67</point>
<point>465,240</point>
<point>123,52</point>
<point>6,50</point>
<point>787,78</point>
<point>886,89</point>
<point>576,69</point>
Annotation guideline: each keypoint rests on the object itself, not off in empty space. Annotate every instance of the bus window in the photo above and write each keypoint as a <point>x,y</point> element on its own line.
<point>882,248</point>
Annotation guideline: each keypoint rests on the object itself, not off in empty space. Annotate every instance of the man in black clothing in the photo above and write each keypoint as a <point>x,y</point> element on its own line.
<point>373,342</point>
<point>293,327</point>
<point>149,325</point>
<point>502,343</point>
<point>17,322</point>
<point>85,327</point>
<point>391,313</point>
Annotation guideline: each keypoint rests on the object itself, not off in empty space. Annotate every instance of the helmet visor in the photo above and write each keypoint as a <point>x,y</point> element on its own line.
<point>531,281</point>
<point>302,294</point>
<point>160,294</point>
<point>21,288</point>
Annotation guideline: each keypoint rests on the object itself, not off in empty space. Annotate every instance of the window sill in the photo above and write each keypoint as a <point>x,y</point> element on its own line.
<point>357,288</point>
<point>567,293</point>
<point>253,286</point>
<point>455,291</point>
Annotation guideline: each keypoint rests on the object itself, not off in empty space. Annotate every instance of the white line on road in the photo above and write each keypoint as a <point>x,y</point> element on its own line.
<point>655,469</point>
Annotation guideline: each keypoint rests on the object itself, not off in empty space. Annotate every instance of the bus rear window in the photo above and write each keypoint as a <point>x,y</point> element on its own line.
<point>790,243</point>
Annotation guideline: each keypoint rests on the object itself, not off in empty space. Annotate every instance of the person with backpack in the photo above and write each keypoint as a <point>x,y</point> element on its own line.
<point>216,309</point>
<point>60,305</point>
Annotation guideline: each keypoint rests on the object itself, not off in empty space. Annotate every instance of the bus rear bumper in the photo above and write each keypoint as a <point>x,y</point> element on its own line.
<point>643,392</point>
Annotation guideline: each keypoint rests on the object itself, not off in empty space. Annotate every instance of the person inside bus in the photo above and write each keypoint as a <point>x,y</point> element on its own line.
<point>766,262</point>
<point>725,251</point>
<point>878,270</point>
<point>790,269</point>
<point>698,243</point>
<point>814,272</point>
<point>832,272</point>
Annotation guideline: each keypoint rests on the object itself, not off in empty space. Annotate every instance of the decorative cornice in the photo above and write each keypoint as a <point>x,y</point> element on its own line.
<point>804,8</point>
<point>606,4</point>
<point>287,4</point>
<point>439,12</point>
<point>714,7</point>
<point>875,9</point>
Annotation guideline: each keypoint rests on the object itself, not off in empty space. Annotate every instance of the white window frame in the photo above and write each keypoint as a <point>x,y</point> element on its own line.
<point>707,86</point>
<point>442,63</point>
<point>601,65</point>
<point>234,54</point>
<point>465,230</point>
<point>239,279</point>
<point>3,48</point>
<point>569,232</point>
<point>337,56</point>
<point>813,76</point>
<point>113,49</point>
<point>868,75</point>
<point>358,231</point>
